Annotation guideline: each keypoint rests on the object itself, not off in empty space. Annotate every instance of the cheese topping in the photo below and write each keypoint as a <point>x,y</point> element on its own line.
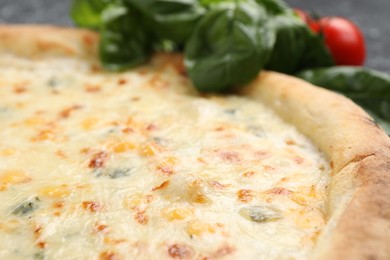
<point>138,165</point>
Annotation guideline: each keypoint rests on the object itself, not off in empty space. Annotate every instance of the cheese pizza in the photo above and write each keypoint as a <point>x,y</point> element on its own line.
<point>139,165</point>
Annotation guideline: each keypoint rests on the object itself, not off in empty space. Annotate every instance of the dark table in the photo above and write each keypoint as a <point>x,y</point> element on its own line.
<point>372,16</point>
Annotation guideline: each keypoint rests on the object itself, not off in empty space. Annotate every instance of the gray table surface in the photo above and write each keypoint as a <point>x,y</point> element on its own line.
<point>372,16</point>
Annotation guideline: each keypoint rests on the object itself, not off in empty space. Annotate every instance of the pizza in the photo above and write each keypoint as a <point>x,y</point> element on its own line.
<point>139,165</point>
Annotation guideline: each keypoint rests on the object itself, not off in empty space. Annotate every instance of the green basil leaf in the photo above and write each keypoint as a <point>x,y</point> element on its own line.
<point>290,45</point>
<point>124,43</point>
<point>369,88</point>
<point>316,53</point>
<point>229,46</point>
<point>87,13</point>
<point>162,45</point>
<point>208,3</point>
<point>274,7</point>
<point>296,46</point>
<point>170,19</point>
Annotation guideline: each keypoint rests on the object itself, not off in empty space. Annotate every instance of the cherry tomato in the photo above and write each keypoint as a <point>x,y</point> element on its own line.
<point>314,26</point>
<point>344,40</point>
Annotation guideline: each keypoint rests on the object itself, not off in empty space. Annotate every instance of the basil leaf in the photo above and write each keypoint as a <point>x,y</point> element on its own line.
<point>316,53</point>
<point>274,7</point>
<point>208,3</point>
<point>296,47</point>
<point>369,88</point>
<point>124,43</point>
<point>170,19</point>
<point>229,46</point>
<point>86,13</point>
<point>290,45</point>
<point>271,6</point>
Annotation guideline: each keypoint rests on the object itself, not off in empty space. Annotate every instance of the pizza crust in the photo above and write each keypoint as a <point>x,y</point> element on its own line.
<point>36,42</point>
<point>359,151</point>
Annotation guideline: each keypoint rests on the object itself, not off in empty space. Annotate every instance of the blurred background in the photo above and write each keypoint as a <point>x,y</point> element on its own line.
<point>373,17</point>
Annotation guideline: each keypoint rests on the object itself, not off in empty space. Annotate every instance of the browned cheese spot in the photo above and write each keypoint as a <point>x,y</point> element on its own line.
<point>41,244</point>
<point>161,186</point>
<point>248,174</point>
<point>231,157</point>
<point>279,191</point>
<point>101,228</point>
<point>122,81</point>
<point>91,206</point>
<point>127,130</point>
<point>68,111</point>
<point>165,169</point>
<point>141,217</point>
<point>261,155</point>
<point>151,127</point>
<point>244,196</point>
<point>58,204</point>
<point>331,164</point>
<point>109,255</point>
<point>298,160</point>
<point>61,154</point>
<point>92,88</point>
<point>180,251</point>
<point>216,185</point>
<point>290,142</point>
<point>18,89</point>
<point>98,160</point>
<point>223,251</point>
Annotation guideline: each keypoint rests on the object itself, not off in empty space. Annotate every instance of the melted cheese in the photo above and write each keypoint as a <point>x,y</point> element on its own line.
<point>139,165</point>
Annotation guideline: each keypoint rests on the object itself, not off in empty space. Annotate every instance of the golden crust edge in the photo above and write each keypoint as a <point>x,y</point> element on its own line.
<point>359,151</point>
<point>44,41</point>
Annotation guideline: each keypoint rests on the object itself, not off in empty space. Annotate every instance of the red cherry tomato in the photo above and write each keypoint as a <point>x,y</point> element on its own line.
<point>314,26</point>
<point>344,40</point>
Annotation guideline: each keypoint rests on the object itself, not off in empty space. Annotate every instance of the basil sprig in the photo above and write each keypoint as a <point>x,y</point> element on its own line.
<point>226,43</point>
